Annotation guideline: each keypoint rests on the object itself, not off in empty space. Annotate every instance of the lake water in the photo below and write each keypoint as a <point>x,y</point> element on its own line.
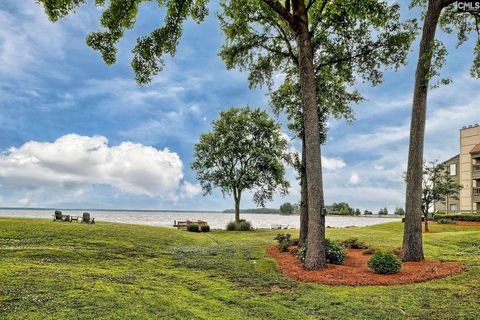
<point>216,220</point>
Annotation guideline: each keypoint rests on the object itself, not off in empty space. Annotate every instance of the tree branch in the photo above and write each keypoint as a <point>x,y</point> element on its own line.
<point>363,52</point>
<point>448,2</point>
<point>477,22</point>
<point>323,6</point>
<point>269,49</point>
<point>316,22</point>
<point>311,3</point>
<point>283,34</point>
<point>276,6</point>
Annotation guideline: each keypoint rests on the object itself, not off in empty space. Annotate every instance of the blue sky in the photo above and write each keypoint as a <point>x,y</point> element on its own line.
<point>59,101</point>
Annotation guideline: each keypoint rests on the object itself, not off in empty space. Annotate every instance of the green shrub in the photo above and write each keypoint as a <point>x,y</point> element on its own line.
<point>353,243</point>
<point>334,252</point>
<point>205,228</point>
<point>239,226</point>
<point>283,241</point>
<point>231,226</point>
<point>446,221</point>
<point>384,263</point>
<point>244,226</point>
<point>458,217</point>
<point>193,227</point>
<point>302,252</point>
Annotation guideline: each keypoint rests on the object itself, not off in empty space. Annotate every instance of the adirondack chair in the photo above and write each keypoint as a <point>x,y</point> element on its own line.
<point>86,217</point>
<point>57,216</point>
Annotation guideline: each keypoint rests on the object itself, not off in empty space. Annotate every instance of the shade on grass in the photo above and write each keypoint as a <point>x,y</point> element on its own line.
<point>117,271</point>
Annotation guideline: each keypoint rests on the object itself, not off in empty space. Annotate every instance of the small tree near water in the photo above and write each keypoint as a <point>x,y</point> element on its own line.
<point>287,208</point>
<point>437,185</point>
<point>244,151</point>
<point>383,212</point>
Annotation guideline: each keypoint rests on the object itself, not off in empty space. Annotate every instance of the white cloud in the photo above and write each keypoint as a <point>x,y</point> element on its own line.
<point>333,163</point>
<point>127,94</point>
<point>28,38</point>
<point>19,46</point>
<point>354,178</point>
<point>190,190</point>
<point>385,105</point>
<point>74,161</point>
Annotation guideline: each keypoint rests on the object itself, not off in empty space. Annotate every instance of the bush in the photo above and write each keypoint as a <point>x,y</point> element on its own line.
<point>447,221</point>
<point>384,263</point>
<point>354,243</point>
<point>244,226</point>
<point>334,252</point>
<point>302,252</point>
<point>283,241</point>
<point>458,217</point>
<point>193,227</point>
<point>205,228</point>
<point>239,226</point>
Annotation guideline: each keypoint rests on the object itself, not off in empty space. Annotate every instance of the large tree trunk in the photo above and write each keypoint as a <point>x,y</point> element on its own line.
<point>412,237</point>
<point>303,197</point>
<point>315,256</point>
<point>237,196</point>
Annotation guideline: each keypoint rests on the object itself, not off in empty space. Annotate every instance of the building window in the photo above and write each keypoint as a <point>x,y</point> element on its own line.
<point>453,169</point>
<point>453,208</point>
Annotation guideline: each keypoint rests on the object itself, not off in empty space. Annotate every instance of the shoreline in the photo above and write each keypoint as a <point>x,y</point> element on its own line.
<point>215,220</point>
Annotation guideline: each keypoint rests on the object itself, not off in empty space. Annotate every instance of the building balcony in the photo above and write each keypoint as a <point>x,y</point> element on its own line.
<point>476,171</point>
<point>476,194</point>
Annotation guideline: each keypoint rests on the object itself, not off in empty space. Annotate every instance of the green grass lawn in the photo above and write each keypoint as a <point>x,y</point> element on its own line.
<point>112,271</point>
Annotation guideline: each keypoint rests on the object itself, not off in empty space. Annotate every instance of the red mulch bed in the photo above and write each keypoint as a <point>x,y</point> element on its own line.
<point>468,223</point>
<point>355,271</point>
<point>461,223</point>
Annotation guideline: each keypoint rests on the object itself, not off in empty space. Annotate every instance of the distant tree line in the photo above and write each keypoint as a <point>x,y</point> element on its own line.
<point>343,209</point>
<point>255,210</point>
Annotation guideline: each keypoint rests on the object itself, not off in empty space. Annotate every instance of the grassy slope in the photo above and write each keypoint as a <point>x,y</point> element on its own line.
<point>112,271</point>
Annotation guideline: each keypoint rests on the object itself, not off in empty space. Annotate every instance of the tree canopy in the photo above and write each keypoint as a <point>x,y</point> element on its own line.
<point>352,40</point>
<point>245,150</point>
<point>342,208</point>
<point>121,15</point>
<point>383,212</point>
<point>451,21</point>
<point>287,208</point>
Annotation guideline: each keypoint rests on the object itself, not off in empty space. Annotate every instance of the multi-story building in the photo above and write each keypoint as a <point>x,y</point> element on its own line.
<point>465,169</point>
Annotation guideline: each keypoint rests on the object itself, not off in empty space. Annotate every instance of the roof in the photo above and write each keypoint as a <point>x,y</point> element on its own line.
<point>457,157</point>
<point>476,149</point>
